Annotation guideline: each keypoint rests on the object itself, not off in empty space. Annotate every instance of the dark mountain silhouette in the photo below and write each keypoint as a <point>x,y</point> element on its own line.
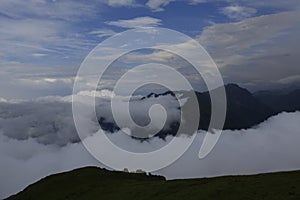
<point>152,94</point>
<point>244,109</point>
<point>280,101</point>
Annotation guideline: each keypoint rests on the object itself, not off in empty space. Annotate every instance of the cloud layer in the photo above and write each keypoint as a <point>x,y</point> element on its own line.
<point>271,146</point>
<point>238,12</point>
<point>137,22</point>
<point>49,120</point>
<point>246,51</point>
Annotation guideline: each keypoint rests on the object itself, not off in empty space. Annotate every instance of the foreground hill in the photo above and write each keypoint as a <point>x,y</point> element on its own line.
<point>95,183</point>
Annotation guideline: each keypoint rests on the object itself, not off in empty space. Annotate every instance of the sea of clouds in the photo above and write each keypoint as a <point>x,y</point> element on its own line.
<point>38,138</point>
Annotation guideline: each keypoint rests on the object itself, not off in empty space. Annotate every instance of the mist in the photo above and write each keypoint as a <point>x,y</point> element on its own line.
<point>49,120</point>
<point>271,146</point>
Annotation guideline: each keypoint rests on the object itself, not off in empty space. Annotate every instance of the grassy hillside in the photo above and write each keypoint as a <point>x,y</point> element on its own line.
<point>94,183</point>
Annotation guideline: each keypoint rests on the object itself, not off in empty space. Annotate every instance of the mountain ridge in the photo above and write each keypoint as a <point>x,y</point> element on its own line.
<point>244,109</point>
<point>96,183</point>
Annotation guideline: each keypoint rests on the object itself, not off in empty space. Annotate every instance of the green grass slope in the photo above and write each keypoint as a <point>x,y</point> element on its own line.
<point>94,183</point>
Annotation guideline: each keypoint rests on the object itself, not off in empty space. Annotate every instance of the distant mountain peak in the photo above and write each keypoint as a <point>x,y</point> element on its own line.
<point>235,87</point>
<point>155,95</point>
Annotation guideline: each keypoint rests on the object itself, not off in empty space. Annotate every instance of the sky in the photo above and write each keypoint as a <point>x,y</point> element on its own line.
<point>255,43</point>
<point>43,42</point>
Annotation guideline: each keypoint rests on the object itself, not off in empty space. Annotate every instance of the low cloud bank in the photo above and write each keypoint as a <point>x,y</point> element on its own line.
<point>49,120</point>
<point>271,146</point>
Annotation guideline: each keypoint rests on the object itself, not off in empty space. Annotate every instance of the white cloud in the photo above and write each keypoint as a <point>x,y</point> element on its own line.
<point>238,12</point>
<point>49,120</point>
<point>249,32</point>
<point>246,5</point>
<point>101,94</point>
<point>116,3</point>
<point>27,161</point>
<point>156,56</point>
<point>290,79</point>
<point>272,146</point>
<point>25,37</point>
<point>66,10</point>
<point>27,81</point>
<point>136,22</point>
<point>2,100</point>
<point>39,54</point>
<point>32,28</point>
<point>157,5</point>
<point>103,32</point>
<point>259,44</point>
<point>290,5</point>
